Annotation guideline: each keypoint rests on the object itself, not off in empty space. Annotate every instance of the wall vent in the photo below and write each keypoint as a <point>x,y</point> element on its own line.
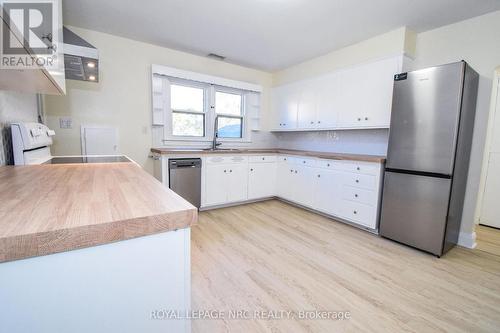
<point>216,56</point>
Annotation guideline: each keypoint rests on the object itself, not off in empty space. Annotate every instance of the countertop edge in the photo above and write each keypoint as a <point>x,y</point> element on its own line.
<point>63,240</point>
<point>324,155</point>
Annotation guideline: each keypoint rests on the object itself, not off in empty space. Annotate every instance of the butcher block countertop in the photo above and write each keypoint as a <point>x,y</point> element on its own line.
<point>46,209</point>
<point>325,155</point>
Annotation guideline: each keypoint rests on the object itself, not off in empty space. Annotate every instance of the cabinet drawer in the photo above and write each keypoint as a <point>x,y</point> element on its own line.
<point>227,159</point>
<point>360,167</point>
<point>328,164</point>
<point>262,159</point>
<point>367,197</point>
<point>283,158</point>
<point>305,161</point>
<point>359,213</point>
<point>359,180</point>
<point>216,159</point>
<point>238,159</point>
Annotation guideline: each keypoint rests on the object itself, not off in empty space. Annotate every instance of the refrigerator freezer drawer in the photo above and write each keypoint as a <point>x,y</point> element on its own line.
<point>415,209</point>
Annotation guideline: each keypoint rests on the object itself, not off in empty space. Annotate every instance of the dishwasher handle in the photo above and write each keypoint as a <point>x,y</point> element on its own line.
<point>184,163</point>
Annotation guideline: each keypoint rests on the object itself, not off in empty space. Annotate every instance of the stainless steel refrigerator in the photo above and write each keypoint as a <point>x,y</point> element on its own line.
<point>428,156</point>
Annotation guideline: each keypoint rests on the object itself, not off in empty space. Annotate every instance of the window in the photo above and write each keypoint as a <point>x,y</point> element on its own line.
<point>193,107</point>
<point>229,110</point>
<point>188,110</point>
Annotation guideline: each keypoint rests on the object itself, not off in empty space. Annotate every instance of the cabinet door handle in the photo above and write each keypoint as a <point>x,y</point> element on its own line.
<point>359,119</point>
<point>328,164</point>
<point>355,212</point>
<point>319,176</point>
<point>230,170</point>
<point>251,169</point>
<point>358,168</point>
<point>295,171</point>
<point>312,122</point>
<point>355,195</point>
<point>291,170</point>
<point>357,180</point>
<point>366,118</point>
<point>225,170</point>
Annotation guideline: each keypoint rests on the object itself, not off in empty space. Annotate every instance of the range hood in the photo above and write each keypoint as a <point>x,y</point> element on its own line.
<point>81,59</point>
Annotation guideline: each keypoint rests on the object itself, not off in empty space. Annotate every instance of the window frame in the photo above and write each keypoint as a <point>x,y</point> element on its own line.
<point>168,128</point>
<point>209,111</point>
<point>242,116</point>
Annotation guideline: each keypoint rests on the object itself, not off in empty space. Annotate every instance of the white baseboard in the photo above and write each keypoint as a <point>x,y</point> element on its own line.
<point>467,239</point>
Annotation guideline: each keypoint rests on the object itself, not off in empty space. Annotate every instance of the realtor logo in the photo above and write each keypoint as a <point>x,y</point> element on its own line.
<point>30,35</point>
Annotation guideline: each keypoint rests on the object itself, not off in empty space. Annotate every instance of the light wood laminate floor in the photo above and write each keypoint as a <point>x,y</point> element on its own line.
<point>273,256</point>
<point>488,239</point>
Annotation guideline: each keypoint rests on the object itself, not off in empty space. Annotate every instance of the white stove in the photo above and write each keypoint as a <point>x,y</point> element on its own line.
<point>31,143</point>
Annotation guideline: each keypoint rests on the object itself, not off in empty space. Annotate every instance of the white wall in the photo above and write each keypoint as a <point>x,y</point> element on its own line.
<point>476,41</point>
<point>122,98</point>
<point>14,107</point>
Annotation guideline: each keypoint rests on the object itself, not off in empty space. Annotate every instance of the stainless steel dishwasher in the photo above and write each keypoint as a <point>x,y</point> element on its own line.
<point>185,178</point>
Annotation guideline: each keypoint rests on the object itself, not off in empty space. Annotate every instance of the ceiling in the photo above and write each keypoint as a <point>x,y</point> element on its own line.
<point>265,34</point>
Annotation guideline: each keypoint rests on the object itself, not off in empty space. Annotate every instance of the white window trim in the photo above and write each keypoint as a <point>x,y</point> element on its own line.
<point>210,79</point>
<point>167,135</point>
<point>245,135</point>
<point>211,84</point>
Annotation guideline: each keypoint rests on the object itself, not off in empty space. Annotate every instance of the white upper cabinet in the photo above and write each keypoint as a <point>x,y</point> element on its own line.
<point>329,100</point>
<point>357,97</point>
<point>367,93</point>
<point>306,110</point>
<point>285,105</point>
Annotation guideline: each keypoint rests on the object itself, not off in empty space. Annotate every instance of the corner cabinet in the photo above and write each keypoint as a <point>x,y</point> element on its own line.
<point>262,177</point>
<point>353,98</point>
<point>346,190</point>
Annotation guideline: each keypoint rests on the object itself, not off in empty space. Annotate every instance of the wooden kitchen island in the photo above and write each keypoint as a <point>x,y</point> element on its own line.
<point>91,248</point>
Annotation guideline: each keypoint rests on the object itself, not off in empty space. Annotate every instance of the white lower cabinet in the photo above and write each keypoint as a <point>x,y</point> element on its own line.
<point>294,181</point>
<point>237,182</point>
<point>349,190</point>
<point>225,182</point>
<point>365,215</point>
<point>284,178</point>
<point>326,192</point>
<point>262,180</point>
<point>216,179</point>
<point>303,185</point>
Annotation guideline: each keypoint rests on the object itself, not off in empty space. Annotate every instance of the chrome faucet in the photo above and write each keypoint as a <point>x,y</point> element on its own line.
<point>215,144</point>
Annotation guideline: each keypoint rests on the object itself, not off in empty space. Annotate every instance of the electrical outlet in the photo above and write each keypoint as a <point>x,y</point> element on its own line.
<point>332,135</point>
<point>65,122</point>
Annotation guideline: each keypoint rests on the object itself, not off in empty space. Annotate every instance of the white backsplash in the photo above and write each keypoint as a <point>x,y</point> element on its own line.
<point>14,107</point>
<point>260,139</point>
<point>369,142</point>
